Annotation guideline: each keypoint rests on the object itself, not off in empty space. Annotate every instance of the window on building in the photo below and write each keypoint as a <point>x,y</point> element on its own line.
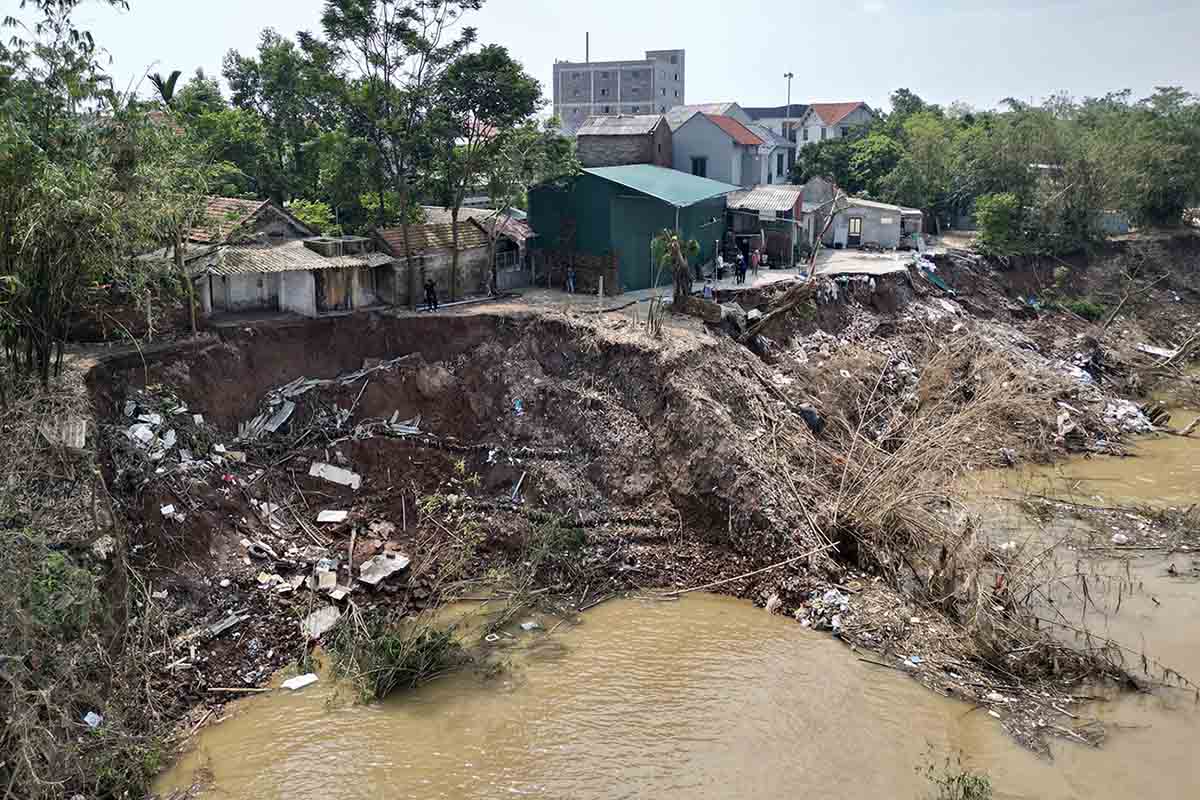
<point>700,166</point>
<point>779,163</point>
<point>664,92</point>
<point>575,76</point>
<point>677,93</point>
<point>674,59</point>
<point>604,75</point>
<point>823,132</point>
<point>845,131</point>
<point>634,90</point>
<point>637,109</point>
<point>636,73</point>
<point>603,92</point>
<point>805,134</point>
<point>662,108</point>
<point>660,148</point>
<point>676,76</point>
<point>607,109</point>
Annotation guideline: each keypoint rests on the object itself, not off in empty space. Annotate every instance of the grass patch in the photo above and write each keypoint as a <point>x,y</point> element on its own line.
<point>1088,309</point>
<point>951,781</point>
<point>381,655</point>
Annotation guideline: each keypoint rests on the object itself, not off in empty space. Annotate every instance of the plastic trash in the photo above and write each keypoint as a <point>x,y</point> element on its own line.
<point>530,626</point>
<point>518,407</point>
<point>93,719</point>
<point>299,682</point>
<point>1120,538</point>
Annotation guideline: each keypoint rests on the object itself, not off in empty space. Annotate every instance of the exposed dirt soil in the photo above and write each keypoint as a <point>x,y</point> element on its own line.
<point>665,452</point>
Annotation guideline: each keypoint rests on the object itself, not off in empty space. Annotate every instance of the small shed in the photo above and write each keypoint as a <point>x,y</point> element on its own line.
<point>431,245</point>
<point>603,221</point>
<point>769,217</point>
<point>865,222</point>
<point>619,140</point>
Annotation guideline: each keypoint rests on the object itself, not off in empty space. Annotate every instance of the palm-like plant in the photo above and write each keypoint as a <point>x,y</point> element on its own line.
<point>165,86</point>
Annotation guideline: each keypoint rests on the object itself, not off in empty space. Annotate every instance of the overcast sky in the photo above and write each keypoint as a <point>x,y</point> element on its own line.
<point>977,52</point>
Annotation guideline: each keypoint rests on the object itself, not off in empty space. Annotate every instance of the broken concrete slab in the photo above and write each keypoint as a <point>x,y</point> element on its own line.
<point>376,569</point>
<point>332,515</point>
<point>333,474</point>
<point>320,622</point>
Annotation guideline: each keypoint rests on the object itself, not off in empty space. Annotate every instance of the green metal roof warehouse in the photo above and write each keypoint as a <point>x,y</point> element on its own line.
<point>621,209</point>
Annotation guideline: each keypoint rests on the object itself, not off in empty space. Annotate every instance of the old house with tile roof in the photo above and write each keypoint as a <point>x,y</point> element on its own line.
<point>833,120</point>
<point>254,256</point>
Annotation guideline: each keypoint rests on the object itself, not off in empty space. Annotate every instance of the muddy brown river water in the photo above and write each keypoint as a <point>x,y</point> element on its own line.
<point>711,697</point>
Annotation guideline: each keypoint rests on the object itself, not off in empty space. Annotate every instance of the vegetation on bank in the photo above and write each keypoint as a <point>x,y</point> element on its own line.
<point>1037,178</point>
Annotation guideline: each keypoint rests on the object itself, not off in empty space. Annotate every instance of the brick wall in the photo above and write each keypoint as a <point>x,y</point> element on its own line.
<point>614,151</point>
<point>588,269</point>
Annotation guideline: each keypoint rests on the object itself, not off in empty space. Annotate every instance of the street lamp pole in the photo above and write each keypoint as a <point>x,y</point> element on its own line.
<point>787,122</point>
<point>788,114</point>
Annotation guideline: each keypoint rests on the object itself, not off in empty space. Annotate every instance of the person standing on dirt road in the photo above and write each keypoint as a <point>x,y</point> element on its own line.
<point>741,268</point>
<point>431,299</point>
<point>571,280</point>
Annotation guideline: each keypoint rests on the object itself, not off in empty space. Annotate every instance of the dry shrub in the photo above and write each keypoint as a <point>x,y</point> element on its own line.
<point>880,481</point>
<point>78,633</point>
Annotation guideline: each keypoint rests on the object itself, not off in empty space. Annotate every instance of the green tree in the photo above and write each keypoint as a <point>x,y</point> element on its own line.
<point>389,57</point>
<point>481,97</point>
<point>827,159</point>
<point>165,87</point>
<point>872,159</point>
<point>526,155</point>
<point>284,86</point>
<point>673,253</point>
<point>923,177</point>
<point>999,219</point>
<point>314,214</point>
<point>200,95</point>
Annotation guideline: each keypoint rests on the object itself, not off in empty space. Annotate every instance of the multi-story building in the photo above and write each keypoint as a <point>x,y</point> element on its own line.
<point>652,85</point>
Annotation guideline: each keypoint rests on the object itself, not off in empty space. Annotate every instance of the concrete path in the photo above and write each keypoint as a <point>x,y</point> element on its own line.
<point>831,263</point>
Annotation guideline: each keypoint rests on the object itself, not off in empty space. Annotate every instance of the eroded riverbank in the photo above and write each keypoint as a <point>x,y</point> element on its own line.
<point>712,697</point>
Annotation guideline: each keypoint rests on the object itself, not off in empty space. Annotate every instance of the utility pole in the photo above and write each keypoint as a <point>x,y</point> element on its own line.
<point>787,123</point>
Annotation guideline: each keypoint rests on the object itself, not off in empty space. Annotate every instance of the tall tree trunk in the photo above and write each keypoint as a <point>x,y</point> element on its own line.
<point>180,264</point>
<point>454,252</point>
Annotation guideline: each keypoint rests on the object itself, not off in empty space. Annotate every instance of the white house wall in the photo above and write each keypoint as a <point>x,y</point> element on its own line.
<point>298,293</point>
<point>699,137</point>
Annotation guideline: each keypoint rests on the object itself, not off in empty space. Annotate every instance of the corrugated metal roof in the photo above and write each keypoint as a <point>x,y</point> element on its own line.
<point>911,212</point>
<point>736,130</point>
<point>778,197</point>
<point>680,114</point>
<point>769,136</point>
<point>623,125</point>
<point>434,236</point>
<point>241,259</point>
<point>795,111</point>
<point>669,185</point>
<point>858,201</point>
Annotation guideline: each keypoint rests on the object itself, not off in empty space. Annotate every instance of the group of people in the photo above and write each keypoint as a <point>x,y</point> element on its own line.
<point>742,265</point>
